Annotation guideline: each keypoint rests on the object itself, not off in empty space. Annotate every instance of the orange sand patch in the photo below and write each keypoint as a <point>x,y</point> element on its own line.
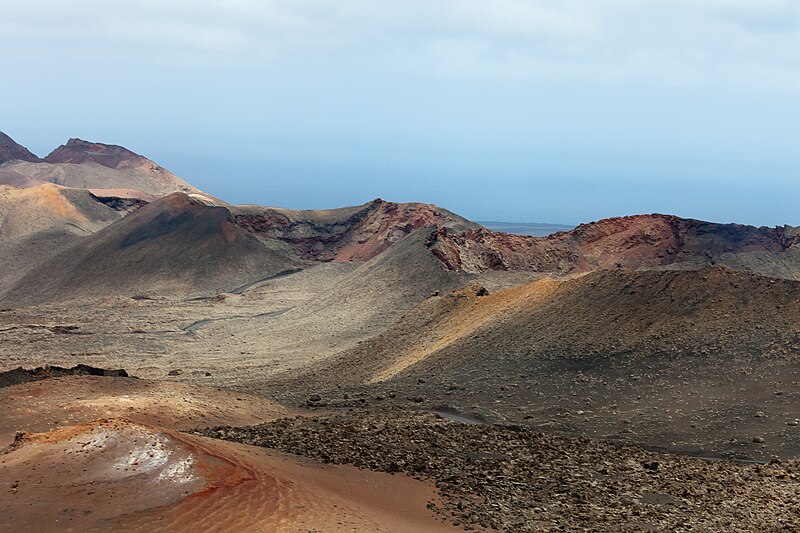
<point>49,404</point>
<point>120,475</point>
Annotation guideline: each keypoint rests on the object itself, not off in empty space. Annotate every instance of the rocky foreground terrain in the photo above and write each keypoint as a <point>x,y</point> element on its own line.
<point>512,479</point>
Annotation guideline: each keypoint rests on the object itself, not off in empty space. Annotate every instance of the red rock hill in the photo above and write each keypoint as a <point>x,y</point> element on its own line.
<point>10,150</point>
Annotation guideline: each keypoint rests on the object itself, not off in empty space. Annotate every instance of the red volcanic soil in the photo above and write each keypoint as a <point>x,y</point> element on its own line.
<point>78,151</point>
<point>10,150</point>
<point>116,474</point>
<point>51,403</point>
<point>103,453</point>
<point>641,241</point>
<point>348,234</point>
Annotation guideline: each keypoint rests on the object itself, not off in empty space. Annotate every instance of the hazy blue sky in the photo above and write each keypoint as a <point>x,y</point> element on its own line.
<point>561,111</point>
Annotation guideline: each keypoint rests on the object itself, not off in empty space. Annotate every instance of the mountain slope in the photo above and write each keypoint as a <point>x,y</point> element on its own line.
<point>358,301</point>
<point>10,150</point>
<point>702,362</point>
<point>39,222</point>
<point>603,313</point>
<point>15,179</point>
<point>348,234</point>
<point>175,246</point>
<point>87,165</point>
<point>50,207</point>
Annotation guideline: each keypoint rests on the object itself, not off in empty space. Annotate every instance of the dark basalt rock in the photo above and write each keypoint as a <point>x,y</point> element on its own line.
<point>22,375</point>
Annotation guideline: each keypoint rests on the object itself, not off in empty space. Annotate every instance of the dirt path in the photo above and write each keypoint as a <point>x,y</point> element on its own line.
<point>194,326</point>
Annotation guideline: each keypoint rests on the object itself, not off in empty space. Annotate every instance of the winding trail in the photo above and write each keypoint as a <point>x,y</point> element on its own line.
<point>194,326</point>
<point>282,274</point>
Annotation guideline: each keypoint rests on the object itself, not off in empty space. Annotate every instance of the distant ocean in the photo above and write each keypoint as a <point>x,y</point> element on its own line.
<point>525,228</point>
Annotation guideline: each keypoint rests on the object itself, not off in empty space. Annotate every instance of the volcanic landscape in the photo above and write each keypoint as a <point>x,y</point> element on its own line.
<point>172,362</point>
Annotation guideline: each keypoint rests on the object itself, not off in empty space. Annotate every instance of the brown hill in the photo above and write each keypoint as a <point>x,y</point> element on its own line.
<point>39,222</point>
<point>50,207</point>
<point>10,150</point>
<point>642,241</point>
<point>176,245</point>
<point>356,234</point>
<point>348,234</point>
<point>603,313</point>
<point>684,360</point>
<point>78,151</point>
<point>86,165</point>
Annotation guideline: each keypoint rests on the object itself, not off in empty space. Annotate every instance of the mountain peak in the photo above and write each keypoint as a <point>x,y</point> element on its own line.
<point>77,163</point>
<point>10,150</point>
<point>78,151</point>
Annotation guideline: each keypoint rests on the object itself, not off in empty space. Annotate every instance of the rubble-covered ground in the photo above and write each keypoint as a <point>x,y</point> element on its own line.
<point>509,478</point>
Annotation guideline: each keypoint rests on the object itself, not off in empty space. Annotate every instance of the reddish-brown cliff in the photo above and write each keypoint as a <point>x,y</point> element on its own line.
<point>349,234</point>
<point>641,241</point>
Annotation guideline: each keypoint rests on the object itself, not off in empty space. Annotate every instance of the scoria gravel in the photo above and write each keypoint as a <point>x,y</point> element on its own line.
<point>507,478</point>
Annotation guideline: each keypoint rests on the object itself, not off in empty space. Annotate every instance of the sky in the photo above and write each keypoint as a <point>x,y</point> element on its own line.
<point>560,111</point>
